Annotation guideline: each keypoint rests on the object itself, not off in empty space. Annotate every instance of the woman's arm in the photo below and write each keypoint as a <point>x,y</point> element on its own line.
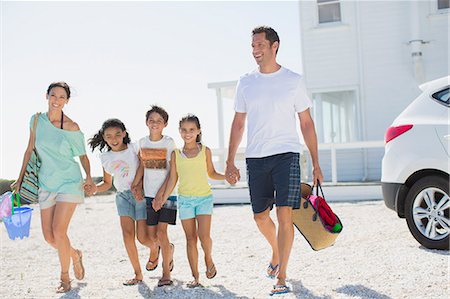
<point>212,173</point>
<point>26,157</point>
<point>171,181</point>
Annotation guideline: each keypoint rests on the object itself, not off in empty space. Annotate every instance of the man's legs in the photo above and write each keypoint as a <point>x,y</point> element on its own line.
<point>285,240</point>
<point>267,227</point>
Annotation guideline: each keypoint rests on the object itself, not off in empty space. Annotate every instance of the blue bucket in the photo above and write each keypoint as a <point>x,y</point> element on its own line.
<point>18,225</point>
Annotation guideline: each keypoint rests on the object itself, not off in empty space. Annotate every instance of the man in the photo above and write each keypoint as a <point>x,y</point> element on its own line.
<point>271,97</point>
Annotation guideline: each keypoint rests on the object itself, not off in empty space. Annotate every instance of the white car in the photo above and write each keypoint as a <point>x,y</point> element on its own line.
<point>415,168</point>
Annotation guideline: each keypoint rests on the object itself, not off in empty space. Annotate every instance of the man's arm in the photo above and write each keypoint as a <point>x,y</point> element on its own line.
<point>310,137</point>
<point>237,131</point>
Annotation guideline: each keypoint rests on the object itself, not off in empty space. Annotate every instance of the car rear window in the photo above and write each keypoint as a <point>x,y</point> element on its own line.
<point>442,96</point>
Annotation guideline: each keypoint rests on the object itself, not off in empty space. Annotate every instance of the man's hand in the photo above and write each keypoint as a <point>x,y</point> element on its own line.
<point>317,175</point>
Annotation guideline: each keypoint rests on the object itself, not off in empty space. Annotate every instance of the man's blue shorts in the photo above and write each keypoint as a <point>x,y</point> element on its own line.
<point>274,180</point>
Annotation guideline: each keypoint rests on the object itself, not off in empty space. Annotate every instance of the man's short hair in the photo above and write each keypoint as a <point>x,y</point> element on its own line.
<point>271,34</point>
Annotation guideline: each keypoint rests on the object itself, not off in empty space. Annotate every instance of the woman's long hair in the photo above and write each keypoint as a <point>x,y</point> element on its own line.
<point>98,141</point>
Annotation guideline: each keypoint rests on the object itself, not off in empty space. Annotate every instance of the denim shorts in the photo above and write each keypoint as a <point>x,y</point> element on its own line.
<point>191,206</point>
<point>274,180</point>
<point>127,205</point>
<point>167,214</point>
<point>49,199</point>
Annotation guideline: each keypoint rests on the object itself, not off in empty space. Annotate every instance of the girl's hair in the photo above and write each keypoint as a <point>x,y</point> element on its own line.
<point>60,84</point>
<point>194,119</point>
<point>98,141</point>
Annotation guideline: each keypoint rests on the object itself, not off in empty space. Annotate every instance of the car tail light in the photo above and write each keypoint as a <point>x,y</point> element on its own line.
<point>394,132</point>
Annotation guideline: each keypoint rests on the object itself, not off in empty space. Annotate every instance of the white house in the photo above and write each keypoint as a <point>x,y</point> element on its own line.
<point>363,62</point>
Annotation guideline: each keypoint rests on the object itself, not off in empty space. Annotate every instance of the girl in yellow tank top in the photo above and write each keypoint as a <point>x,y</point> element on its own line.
<point>192,165</point>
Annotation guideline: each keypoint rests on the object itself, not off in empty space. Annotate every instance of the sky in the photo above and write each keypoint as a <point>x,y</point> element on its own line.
<point>120,58</point>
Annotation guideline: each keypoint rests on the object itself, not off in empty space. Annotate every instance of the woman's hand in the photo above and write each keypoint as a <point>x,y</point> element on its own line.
<point>15,187</point>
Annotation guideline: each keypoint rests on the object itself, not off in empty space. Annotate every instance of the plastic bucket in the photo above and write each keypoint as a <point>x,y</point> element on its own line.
<point>18,225</point>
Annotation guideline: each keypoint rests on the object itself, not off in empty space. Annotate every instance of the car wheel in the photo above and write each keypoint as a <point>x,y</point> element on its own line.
<point>427,212</point>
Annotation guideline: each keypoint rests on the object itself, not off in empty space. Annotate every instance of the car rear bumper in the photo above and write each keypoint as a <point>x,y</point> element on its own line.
<point>394,195</point>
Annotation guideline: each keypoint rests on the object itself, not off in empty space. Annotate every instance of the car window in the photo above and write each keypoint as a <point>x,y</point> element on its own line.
<point>442,96</point>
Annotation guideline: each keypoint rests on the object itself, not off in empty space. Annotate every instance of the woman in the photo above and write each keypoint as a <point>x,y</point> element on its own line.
<point>58,141</point>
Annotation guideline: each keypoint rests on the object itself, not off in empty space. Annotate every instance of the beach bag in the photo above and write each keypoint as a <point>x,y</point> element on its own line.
<point>30,183</point>
<point>315,220</point>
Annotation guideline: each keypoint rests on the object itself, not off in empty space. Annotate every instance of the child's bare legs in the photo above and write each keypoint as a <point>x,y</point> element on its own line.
<point>128,232</point>
<point>166,249</point>
<point>204,233</point>
<point>153,243</point>
<point>190,230</point>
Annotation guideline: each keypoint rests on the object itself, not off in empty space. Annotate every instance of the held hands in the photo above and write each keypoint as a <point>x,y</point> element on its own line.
<point>89,186</point>
<point>137,189</point>
<point>158,202</point>
<point>232,174</point>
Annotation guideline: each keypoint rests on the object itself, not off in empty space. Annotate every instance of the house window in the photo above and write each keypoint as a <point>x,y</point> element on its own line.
<point>443,4</point>
<point>335,116</point>
<point>329,11</point>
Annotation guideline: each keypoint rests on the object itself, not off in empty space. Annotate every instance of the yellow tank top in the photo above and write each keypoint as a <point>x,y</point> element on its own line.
<point>192,174</point>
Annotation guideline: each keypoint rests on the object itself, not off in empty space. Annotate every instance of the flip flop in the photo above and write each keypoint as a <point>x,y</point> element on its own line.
<point>171,262</point>
<point>152,265</point>
<point>194,284</point>
<point>132,282</point>
<point>279,289</point>
<point>78,268</point>
<point>165,282</point>
<point>272,271</point>
<point>211,272</point>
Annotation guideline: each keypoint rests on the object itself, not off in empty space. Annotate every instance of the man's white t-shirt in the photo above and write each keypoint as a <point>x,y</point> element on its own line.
<point>272,103</point>
<point>156,158</point>
<point>122,166</point>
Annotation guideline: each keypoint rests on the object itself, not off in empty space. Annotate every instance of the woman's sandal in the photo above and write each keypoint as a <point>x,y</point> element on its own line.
<point>194,284</point>
<point>152,265</point>
<point>211,272</point>
<point>64,286</point>
<point>78,268</point>
<point>279,289</point>
<point>132,282</point>
<point>272,271</point>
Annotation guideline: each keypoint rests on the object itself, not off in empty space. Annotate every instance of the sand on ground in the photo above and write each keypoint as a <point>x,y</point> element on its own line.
<point>374,257</point>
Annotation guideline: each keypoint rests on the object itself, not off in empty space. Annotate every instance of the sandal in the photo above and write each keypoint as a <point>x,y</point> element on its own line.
<point>211,272</point>
<point>152,265</point>
<point>194,284</point>
<point>171,262</point>
<point>165,282</point>
<point>132,282</point>
<point>272,271</point>
<point>78,268</point>
<point>279,289</point>
<point>64,286</point>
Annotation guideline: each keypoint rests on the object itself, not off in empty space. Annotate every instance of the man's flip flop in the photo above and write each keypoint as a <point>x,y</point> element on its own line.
<point>272,271</point>
<point>279,289</point>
